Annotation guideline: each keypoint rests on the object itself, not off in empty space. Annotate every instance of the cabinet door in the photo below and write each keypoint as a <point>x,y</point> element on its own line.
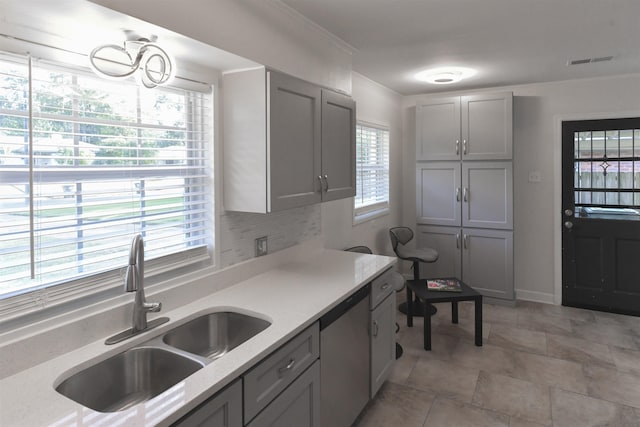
<point>445,240</point>
<point>338,146</point>
<point>272,375</point>
<point>293,141</point>
<point>222,410</point>
<point>438,193</point>
<point>487,194</point>
<point>487,126</point>
<point>298,405</point>
<point>383,342</point>
<point>438,129</point>
<point>487,262</point>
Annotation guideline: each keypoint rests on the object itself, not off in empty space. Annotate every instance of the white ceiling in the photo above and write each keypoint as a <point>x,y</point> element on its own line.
<point>507,41</point>
<point>75,27</point>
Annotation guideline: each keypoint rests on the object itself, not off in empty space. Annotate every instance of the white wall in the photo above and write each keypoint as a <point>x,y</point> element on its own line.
<point>377,105</point>
<point>538,110</point>
<point>264,31</point>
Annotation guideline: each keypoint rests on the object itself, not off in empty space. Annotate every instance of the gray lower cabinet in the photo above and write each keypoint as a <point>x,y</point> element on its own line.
<point>482,258</point>
<point>298,405</point>
<point>224,409</point>
<point>270,379</point>
<point>383,343</point>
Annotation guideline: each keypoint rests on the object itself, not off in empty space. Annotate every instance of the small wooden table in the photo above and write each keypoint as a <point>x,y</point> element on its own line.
<point>419,287</point>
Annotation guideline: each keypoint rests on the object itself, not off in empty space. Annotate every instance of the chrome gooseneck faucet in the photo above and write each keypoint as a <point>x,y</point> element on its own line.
<point>134,282</point>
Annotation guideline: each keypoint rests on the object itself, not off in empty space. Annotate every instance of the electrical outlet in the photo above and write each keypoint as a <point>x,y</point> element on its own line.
<point>261,246</point>
<point>535,176</point>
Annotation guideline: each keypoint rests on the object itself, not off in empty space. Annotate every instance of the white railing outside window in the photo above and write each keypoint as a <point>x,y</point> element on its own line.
<point>372,172</point>
<point>85,164</point>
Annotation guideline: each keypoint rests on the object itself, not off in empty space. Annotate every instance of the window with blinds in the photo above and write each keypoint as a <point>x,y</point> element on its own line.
<point>372,171</point>
<point>87,163</point>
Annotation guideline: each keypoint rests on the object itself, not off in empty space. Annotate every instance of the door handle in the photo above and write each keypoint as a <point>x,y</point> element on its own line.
<point>289,366</point>
<point>465,238</point>
<point>464,146</point>
<point>458,194</point>
<point>465,195</point>
<point>375,328</point>
<point>568,212</point>
<point>326,183</point>
<point>568,225</point>
<point>457,147</point>
<point>320,181</point>
<point>457,240</point>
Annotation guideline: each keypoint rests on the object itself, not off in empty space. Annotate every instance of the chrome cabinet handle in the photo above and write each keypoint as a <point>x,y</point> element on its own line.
<point>464,146</point>
<point>457,240</point>
<point>326,183</point>
<point>457,194</point>
<point>457,147</point>
<point>289,366</point>
<point>465,195</point>
<point>464,241</point>
<point>320,181</point>
<point>375,328</point>
<point>568,225</point>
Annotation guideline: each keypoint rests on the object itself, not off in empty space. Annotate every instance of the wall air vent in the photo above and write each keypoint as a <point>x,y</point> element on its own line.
<point>589,60</point>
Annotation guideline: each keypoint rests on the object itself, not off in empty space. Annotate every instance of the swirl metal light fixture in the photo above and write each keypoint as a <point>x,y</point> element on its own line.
<point>136,54</point>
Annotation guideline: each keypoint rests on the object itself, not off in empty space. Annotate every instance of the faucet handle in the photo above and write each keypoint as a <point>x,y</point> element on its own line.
<point>153,307</point>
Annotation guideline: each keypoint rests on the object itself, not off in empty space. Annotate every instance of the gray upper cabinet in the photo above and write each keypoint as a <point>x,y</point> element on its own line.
<point>293,141</point>
<point>338,146</point>
<point>287,142</point>
<point>487,126</point>
<point>438,129</point>
<point>476,127</point>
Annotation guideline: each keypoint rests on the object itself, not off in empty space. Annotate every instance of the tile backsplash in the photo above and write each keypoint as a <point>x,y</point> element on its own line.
<point>283,229</point>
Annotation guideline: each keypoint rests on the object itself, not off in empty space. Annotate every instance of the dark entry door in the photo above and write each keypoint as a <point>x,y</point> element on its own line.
<point>601,214</point>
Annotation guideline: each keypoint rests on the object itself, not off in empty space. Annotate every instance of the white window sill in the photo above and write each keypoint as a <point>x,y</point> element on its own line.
<point>368,216</point>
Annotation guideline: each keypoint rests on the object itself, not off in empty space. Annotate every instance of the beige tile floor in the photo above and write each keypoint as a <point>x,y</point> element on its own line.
<point>540,365</point>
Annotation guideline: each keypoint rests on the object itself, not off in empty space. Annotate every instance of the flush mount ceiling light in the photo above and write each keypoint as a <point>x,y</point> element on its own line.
<point>445,75</point>
<point>136,54</point>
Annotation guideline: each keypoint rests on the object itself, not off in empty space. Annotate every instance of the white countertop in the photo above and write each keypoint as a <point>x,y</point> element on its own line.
<point>291,296</point>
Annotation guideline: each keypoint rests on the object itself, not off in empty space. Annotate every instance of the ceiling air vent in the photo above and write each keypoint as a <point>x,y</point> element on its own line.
<point>589,60</point>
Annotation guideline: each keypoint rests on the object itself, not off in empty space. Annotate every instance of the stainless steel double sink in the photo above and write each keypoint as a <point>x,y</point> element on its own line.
<point>146,370</point>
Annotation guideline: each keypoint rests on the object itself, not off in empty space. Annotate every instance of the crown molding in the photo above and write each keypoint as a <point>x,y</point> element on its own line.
<point>308,24</point>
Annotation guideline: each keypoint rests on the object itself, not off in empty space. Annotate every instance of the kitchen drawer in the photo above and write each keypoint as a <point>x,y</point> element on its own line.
<point>298,405</point>
<point>271,376</point>
<point>381,287</point>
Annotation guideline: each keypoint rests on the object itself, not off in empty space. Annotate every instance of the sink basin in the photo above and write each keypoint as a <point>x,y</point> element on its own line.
<point>127,379</point>
<point>215,334</point>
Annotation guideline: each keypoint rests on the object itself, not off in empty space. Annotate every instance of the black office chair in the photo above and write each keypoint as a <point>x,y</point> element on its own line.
<point>400,236</point>
<point>399,286</point>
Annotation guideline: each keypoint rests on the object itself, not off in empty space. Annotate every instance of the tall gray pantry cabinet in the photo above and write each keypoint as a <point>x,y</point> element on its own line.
<point>464,189</point>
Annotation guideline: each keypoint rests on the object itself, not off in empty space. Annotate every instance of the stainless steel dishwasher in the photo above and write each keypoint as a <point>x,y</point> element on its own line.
<point>344,360</point>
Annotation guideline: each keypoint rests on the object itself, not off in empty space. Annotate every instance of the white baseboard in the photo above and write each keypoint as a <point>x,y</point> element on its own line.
<point>534,296</point>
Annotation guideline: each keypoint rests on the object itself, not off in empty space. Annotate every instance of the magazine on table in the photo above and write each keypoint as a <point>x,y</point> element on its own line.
<point>444,285</point>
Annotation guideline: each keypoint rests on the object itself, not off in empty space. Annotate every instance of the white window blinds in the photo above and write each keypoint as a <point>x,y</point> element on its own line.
<point>372,170</point>
<point>85,164</point>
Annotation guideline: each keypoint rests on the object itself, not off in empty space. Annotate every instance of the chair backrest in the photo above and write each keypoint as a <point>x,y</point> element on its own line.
<point>360,249</point>
<point>400,235</point>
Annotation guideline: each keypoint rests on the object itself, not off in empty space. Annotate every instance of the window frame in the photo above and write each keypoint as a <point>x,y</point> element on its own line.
<point>371,211</point>
<point>98,286</point>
